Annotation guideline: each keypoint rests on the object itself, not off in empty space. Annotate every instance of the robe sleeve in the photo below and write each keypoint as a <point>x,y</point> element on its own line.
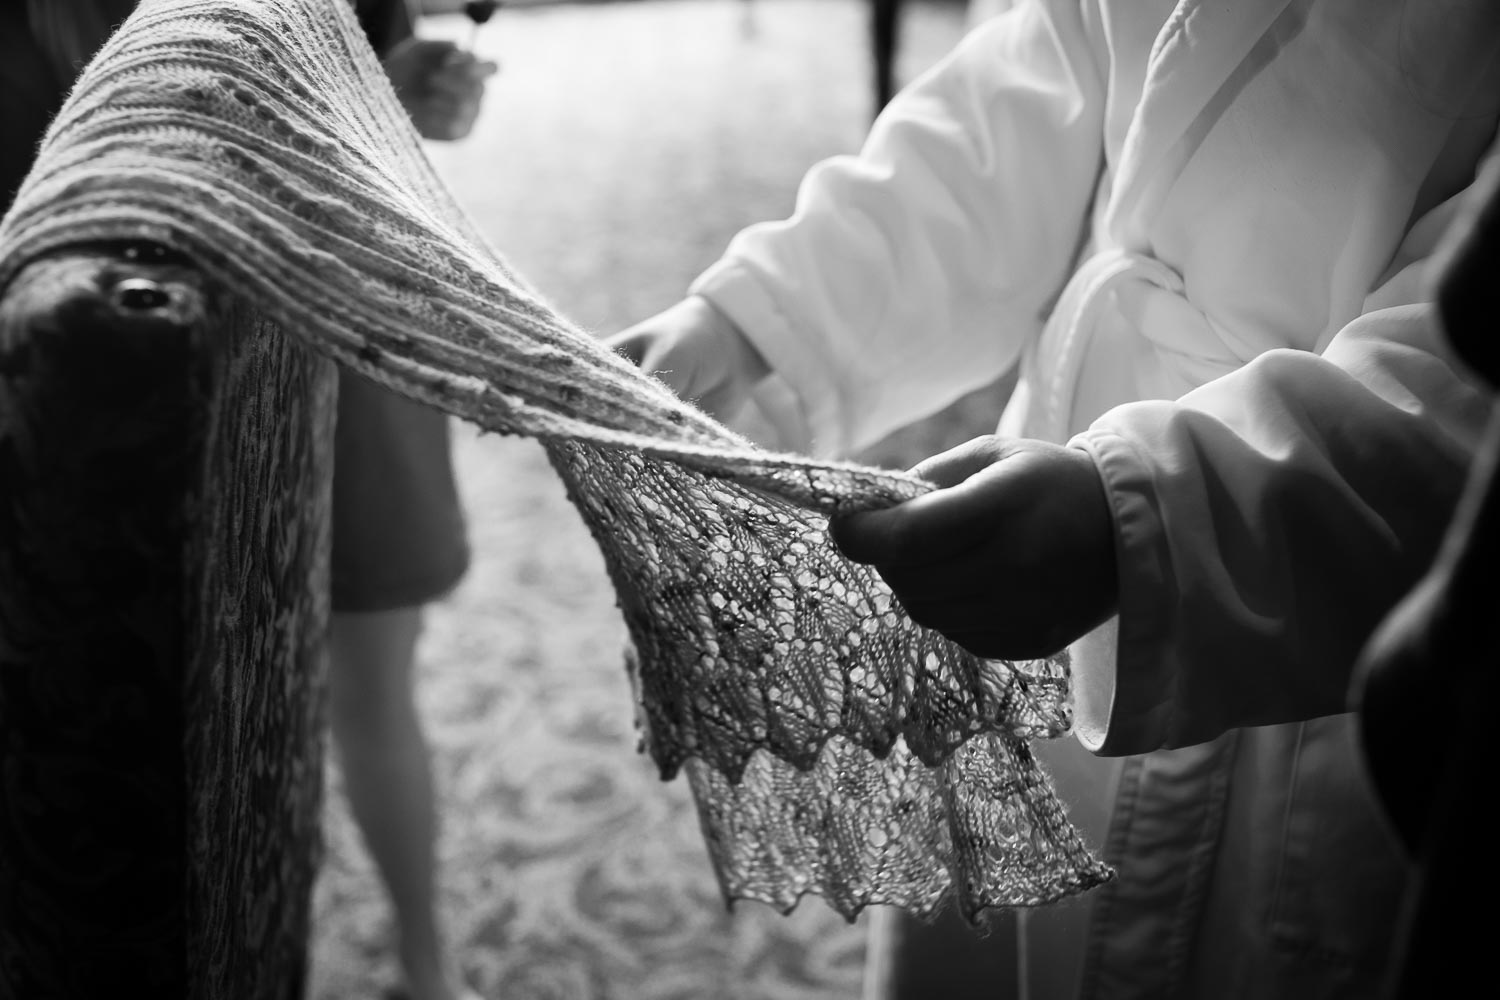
<point>1267,521</point>
<point>917,270</point>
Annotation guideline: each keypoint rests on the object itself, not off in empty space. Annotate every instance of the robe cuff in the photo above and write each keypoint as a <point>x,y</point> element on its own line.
<point>796,398</point>
<point>1123,704</point>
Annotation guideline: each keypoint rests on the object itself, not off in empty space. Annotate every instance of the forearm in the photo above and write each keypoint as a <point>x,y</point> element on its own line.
<point>917,270</point>
<point>1267,521</point>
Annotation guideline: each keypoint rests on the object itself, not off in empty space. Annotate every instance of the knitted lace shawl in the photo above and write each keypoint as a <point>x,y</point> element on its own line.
<point>833,746</point>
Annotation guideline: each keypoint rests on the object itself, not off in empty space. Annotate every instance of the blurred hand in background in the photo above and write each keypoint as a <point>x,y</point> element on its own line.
<point>440,85</point>
<point>698,352</point>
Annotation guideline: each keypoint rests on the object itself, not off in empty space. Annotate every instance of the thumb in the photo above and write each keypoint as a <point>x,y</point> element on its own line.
<point>951,467</point>
<point>630,344</point>
<point>972,484</point>
<point>434,53</point>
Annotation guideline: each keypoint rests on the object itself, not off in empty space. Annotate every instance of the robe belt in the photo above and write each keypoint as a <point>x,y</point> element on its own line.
<point>1123,281</point>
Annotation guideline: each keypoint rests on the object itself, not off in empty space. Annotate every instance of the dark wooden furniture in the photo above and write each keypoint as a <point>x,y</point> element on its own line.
<point>165,461</point>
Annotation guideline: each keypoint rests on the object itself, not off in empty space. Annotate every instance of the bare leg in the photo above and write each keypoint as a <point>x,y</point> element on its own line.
<point>388,779</point>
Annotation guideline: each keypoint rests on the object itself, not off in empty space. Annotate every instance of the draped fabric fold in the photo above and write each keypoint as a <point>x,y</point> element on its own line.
<point>833,746</point>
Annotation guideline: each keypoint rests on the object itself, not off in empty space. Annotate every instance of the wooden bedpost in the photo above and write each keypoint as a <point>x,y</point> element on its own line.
<point>165,466</point>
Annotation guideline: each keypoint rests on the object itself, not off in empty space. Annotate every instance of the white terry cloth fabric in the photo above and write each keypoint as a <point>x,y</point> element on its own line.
<point>1132,200</point>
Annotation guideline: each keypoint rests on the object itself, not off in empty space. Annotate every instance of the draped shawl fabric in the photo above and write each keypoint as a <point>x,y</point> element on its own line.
<point>833,746</point>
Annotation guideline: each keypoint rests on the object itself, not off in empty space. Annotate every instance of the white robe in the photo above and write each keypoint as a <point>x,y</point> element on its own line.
<point>1134,199</point>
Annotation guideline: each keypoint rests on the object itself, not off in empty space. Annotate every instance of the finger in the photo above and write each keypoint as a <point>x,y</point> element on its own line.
<point>681,379</point>
<point>449,122</point>
<point>457,85</point>
<point>435,125</point>
<point>894,536</point>
<point>458,62</point>
<point>920,532</point>
<point>432,54</point>
<point>460,128</point>
<point>654,356</point>
<point>444,52</point>
<point>953,466</point>
<point>453,115</point>
<point>974,614</point>
<point>880,537</point>
<point>956,578</point>
<point>991,624</point>
<point>443,101</point>
<point>722,402</point>
<point>630,344</point>
<point>470,68</point>
<point>934,526</point>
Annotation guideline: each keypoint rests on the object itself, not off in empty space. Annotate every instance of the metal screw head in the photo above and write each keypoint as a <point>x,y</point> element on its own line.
<point>141,295</point>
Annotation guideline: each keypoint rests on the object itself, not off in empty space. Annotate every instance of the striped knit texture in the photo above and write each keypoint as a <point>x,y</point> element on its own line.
<point>834,746</point>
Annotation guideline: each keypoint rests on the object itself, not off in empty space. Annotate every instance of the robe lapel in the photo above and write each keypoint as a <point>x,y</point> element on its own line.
<point>1206,52</point>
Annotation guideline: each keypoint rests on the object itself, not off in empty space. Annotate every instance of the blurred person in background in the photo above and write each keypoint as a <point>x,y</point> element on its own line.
<point>399,539</point>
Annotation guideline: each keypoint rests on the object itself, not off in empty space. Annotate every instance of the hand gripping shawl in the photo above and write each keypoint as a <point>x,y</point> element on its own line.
<point>833,746</point>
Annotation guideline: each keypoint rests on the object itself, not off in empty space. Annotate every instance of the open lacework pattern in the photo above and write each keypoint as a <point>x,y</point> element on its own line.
<point>833,746</point>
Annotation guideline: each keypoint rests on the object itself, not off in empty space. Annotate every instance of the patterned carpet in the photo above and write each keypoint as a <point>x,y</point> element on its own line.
<point>621,146</point>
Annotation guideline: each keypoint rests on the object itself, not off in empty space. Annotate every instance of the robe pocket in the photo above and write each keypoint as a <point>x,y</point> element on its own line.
<point>1342,874</point>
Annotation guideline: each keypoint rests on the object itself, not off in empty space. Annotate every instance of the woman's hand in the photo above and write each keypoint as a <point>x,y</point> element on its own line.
<point>1012,558</point>
<point>698,352</point>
